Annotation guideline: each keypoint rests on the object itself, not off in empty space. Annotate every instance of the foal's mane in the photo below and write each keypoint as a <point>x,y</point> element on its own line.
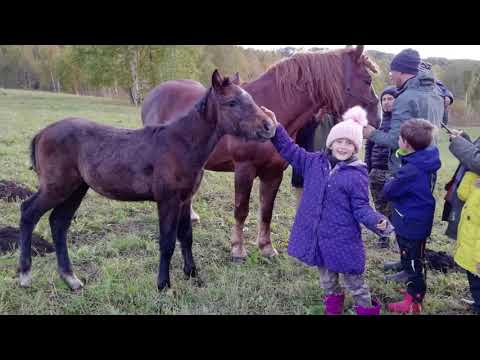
<point>318,74</point>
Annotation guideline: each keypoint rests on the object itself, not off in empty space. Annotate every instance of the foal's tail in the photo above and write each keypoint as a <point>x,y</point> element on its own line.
<point>33,159</point>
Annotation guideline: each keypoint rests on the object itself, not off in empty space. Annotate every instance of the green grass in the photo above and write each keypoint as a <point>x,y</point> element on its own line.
<point>113,245</point>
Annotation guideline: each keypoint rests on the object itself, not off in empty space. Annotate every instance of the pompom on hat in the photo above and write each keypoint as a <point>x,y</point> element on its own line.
<point>351,128</point>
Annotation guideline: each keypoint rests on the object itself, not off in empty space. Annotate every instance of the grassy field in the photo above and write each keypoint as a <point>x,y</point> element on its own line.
<point>114,250</point>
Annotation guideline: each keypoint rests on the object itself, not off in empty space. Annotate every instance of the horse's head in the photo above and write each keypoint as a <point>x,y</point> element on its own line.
<point>358,83</point>
<point>237,112</point>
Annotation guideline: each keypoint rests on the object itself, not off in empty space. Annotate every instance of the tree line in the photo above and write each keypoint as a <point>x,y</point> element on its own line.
<point>132,70</point>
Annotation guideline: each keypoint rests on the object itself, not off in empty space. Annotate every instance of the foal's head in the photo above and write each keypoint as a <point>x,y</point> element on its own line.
<point>237,112</point>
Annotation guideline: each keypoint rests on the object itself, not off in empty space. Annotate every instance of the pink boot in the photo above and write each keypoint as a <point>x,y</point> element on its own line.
<point>334,304</point>
<point>374,310</point>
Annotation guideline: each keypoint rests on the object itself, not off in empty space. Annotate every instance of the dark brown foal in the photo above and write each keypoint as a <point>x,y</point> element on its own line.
<point>159,163</point>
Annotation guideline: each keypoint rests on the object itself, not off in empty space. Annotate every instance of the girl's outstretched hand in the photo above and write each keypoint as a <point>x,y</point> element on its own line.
<point>270,114</point>
<point>385,227</point>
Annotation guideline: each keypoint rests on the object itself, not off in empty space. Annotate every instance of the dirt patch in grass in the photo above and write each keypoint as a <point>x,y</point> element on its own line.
<point>9,242</point>
<point>10,191</point>
<point>440,261</point>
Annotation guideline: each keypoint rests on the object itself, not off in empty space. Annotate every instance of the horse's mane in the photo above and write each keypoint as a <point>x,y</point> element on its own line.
<point>318,74</point>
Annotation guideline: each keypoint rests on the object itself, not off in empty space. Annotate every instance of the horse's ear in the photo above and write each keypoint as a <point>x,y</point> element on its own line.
<point>217,80</point>
<point>358,51</point>
<point>236,79</point>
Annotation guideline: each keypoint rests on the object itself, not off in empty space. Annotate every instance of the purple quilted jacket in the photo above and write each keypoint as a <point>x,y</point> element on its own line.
<point>326,231</point>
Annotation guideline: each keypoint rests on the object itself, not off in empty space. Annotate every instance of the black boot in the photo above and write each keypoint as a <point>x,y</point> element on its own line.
<point>392,265</point>
<point>383,242</point>
<point>401,276</point>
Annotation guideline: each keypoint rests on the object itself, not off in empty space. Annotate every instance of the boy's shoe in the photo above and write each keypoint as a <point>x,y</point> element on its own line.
<point>401,276</point>
<point>334,304</point>
<point>467,301</point>
<point>374,310</point>
<point>471,306</point>
<point>406,306</point>
<point>392,265</point>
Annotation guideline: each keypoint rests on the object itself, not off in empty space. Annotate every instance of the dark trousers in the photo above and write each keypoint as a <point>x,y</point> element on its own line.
<point>412,255</point>
<point>474,282</point>
<point>377,179</point>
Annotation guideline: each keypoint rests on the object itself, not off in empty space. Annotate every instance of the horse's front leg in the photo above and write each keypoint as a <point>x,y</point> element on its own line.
<point>244,175</point>
<point>185,238</point>
<point>168,212</point>
<point>269,186</point>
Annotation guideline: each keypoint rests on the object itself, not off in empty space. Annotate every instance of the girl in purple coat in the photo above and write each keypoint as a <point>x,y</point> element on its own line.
<point>326,232</point>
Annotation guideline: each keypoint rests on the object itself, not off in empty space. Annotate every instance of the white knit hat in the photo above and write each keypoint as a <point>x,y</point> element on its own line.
<point>355,119</point>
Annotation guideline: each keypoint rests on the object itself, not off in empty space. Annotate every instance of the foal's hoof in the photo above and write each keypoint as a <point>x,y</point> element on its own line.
<point>161,285</point>
<point>25,279</point>
<point>72,281</point>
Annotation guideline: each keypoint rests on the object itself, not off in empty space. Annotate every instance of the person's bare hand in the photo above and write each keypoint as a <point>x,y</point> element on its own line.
<point>382,225</point>
<point>270,114</point>
<point>455,133</point>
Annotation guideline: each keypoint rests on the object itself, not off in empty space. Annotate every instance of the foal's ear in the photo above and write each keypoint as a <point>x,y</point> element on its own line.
<point>236,79</point>
<point>217,80</point>
<point>358,51</point>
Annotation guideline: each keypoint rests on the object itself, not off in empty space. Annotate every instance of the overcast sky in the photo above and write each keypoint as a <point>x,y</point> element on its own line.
<point>446,51</point>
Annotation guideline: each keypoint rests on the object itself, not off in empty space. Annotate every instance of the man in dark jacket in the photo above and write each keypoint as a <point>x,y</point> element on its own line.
<point>417,97</point>
<point>410,192</point>
<point>376,158</point>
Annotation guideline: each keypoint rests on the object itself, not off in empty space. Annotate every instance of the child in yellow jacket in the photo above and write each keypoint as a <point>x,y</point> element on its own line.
<point>467,254</point>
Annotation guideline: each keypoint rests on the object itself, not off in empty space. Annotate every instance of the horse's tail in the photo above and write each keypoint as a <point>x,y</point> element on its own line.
<point>33,159</point>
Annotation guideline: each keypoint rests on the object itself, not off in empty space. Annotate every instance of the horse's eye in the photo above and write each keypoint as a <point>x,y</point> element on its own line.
<point>368,82</point>
<point>232,103</point>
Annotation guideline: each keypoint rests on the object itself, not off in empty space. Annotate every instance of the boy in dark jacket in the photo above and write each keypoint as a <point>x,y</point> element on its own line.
<point>376,158</point>
<point>410,192</point>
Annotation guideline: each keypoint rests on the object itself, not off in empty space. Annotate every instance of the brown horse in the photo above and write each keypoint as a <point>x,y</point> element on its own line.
<point>295,89</point>
<point>158,163</point>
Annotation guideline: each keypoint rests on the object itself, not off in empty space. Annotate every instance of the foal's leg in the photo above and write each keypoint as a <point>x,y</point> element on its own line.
<point>185,238</point>
<point>60,220</point>
<point>268,191</point>
<point>244,176</point>
<point>193,215</point>
<point>31,212</point>
<point>168,212</point>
